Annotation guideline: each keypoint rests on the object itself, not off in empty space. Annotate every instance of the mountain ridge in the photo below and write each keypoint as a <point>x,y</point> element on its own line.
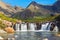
<point>33,7</point>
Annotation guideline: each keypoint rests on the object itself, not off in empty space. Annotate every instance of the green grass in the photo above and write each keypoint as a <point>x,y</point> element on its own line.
<point>3,17</point>
<point>34,19</point>
<point>41,19</point>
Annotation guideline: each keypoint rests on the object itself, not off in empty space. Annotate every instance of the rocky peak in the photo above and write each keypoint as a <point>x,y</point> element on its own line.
<point>33,2</point>
<point>3,5</point>
<point>17,8</point>
<point>57,3</point>
<point>7,7</point>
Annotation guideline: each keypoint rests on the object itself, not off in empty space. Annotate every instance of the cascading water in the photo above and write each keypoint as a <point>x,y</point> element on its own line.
<point>32,26</point>
<point>24,27</point>
<point>45,26</point>
<point>48,26</point>
<point>55,29</point>
<point>17,27</point>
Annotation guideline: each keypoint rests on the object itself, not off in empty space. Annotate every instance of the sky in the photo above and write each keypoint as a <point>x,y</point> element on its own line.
<point>25,3</point>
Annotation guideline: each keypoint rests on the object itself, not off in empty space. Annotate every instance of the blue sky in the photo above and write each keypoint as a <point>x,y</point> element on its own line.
<point>25,3</point>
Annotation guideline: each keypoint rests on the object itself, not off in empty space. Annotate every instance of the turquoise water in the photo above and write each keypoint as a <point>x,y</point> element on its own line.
<point>34,36</point>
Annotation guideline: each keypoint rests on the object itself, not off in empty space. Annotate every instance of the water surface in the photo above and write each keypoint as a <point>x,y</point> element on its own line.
<point>33,36</point>
<point>36,36</point>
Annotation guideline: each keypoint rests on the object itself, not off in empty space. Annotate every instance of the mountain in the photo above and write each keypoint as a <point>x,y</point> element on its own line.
<point>9,10</point>
<point>33,9</point>
<point>18,9</point>
<point>56,7</point>
<point>45,9</point>
<point>7,7</point>
<point>42,9</point>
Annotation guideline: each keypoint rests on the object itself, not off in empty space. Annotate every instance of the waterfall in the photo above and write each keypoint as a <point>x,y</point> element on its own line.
<point>32,26</point>
<point>24,27</point>
<point>45,26</point>
<point>55,29</point>
<point>17,27</point>
<point>48,27</point>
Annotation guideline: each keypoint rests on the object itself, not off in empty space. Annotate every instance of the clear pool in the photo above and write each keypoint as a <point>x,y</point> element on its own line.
<point>34,36</point>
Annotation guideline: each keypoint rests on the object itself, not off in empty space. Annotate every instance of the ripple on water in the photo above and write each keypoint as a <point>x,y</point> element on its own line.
<point>34,36</point>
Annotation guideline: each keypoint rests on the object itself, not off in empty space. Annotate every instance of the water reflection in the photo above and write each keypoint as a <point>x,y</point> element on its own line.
<point>36,36</point>
<point>33,36</point>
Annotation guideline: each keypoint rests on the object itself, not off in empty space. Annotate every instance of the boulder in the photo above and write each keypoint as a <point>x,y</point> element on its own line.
<point>9,30</point>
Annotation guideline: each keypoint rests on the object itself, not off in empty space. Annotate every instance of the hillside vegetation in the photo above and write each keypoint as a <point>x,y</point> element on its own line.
<point>3,17</point>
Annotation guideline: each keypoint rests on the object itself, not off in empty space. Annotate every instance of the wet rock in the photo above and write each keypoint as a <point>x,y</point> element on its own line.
<point>52,27</point>
<point>38,26</point>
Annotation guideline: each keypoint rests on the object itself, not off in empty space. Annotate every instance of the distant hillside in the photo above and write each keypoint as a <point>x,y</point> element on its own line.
<point>4,17</point>
<point>8,9</point>
<point>32,10</point>
<point>35,7</point>
<point>56,7</point>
